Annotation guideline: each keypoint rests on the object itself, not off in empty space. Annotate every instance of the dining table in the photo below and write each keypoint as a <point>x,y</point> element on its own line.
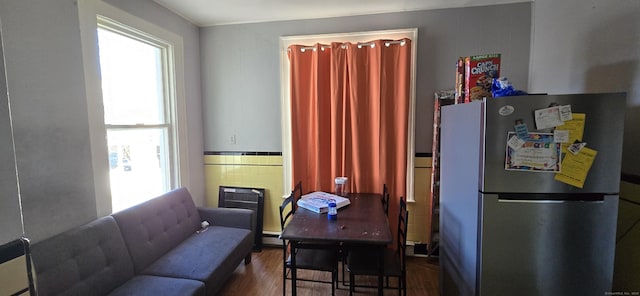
<point>361,223</point>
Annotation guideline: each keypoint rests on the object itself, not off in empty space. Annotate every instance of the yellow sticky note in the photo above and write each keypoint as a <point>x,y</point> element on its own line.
<point>576,167</point>
<point>575,126</point>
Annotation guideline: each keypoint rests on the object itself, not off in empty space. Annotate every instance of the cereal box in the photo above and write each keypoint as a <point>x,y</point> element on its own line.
<point>479,73</point>
<point>459,90</point>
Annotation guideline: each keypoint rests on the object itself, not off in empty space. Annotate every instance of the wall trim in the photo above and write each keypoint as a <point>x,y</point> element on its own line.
<point>243,153</point>
<point>267,153</point>
<point>285,41</point>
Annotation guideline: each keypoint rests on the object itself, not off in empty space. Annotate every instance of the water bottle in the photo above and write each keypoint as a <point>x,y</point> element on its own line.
<point>333,210</point>
<point>341,186</point>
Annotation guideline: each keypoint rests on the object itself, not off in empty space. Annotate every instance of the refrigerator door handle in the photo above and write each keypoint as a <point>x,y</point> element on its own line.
<point>550,198</point>
<point>547,201</point>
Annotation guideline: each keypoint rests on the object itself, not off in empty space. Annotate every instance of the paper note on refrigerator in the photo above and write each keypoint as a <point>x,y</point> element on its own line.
<point>575,127</point>
<point>548,118</point>
<point>576,167</point>
<point>538,153</point>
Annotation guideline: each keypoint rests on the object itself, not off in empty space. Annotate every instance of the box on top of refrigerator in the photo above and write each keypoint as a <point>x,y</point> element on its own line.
<point>480,70</point>
<point>459,90</point>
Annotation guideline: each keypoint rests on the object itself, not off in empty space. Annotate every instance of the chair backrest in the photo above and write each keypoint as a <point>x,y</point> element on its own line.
<point>403,222</point>
<point>15,249</point>
<point>286,211</point>
<point>385,199</point>
<point>297,194</point>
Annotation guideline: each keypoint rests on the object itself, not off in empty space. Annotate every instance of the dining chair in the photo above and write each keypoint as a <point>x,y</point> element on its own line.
<point>15,249</point>
<point>385,199</point>
<point>345,250</point>
<point>362,262</point>
<point>297,193</point>
<point>308,255</point>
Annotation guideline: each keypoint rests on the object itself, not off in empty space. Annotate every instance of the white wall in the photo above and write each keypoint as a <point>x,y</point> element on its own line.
<point>590,46</point>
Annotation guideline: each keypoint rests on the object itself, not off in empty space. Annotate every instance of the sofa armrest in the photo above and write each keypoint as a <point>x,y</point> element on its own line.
<point>229,217</point>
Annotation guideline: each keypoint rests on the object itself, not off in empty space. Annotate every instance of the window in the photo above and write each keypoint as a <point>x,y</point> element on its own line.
<point>285,42</point>
<point>138,113</point>
<point>167,126</point>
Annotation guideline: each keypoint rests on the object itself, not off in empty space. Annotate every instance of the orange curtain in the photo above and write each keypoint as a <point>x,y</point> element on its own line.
<point>349,116</point>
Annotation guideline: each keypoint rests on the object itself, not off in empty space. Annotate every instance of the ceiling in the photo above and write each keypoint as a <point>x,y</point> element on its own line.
<point>219,12</point>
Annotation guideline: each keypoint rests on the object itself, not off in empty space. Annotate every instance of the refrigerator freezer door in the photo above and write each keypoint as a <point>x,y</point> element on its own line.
<point>460,163</point>
<point>546,247</point>
<point>603,131</point>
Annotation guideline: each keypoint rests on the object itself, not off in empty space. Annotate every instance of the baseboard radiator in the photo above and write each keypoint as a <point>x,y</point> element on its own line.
<point>245,198</point>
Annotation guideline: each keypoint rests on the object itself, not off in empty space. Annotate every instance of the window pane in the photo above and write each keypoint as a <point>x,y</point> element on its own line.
<point>139,163</point>
<point>131,80</point>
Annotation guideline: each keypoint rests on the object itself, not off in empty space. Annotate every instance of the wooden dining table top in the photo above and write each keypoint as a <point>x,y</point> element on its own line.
<point>361,222</point>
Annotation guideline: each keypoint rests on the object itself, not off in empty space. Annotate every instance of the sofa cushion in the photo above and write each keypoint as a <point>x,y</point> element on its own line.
<point>88,260</point>
<point>147,285</point>
<point>154,227</point>
<point>210,256</point>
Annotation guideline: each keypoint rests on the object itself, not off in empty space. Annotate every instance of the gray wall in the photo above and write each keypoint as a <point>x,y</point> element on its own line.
<point>241,68</point>
<point>10,216</point>
<point>49,112</point>
<point>46,84</point>
<point>590,46</point>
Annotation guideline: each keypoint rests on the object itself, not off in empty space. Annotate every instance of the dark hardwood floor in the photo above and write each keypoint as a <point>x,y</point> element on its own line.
<point>263,276</point>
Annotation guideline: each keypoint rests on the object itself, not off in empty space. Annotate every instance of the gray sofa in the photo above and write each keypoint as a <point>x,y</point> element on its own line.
<point>155,248</point>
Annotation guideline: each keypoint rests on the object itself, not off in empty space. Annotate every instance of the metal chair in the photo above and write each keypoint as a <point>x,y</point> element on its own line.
<point>362,262</point>
<point>15,249</point>
<point>297,192</point>
<point>310,256</point>
<point>385,199</point>
<point>385,206</point>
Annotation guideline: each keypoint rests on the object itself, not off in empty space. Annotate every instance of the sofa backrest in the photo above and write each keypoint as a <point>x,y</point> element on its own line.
<point>156,226</point>
<point>88,260</point>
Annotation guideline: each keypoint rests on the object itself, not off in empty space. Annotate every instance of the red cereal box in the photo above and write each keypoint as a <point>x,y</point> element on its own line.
<point>479,73</point>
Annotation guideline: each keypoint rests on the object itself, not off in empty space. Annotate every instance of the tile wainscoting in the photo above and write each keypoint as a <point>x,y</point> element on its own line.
<point>257,171</point>
<point>265,170</point>
<point>13,276</point>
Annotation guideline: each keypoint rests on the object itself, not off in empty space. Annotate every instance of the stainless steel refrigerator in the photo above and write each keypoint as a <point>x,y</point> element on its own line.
<point>513,221</point>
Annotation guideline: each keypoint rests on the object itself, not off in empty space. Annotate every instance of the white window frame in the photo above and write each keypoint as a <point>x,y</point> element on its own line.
<point>285,101</point>
<point>90,13</point>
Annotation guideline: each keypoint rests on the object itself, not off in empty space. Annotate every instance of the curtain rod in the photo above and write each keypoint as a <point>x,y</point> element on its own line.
<point>386,43</point>
<point>360,45</point>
